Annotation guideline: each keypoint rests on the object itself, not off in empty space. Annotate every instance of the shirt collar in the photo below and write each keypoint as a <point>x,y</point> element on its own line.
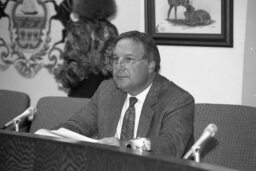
<point>142,96</point>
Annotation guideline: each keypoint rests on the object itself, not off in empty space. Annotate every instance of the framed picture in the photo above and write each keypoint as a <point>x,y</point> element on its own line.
<point>190,22</point>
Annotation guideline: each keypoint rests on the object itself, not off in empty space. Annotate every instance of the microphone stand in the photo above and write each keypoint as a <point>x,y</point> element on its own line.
<point>16,124</point>
<point>196,154</point>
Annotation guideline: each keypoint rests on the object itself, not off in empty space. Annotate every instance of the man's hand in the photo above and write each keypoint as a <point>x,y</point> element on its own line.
<point>110,141</point>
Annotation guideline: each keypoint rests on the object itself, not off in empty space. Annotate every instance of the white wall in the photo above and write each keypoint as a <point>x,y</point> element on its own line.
<point>249,78</point>
<point>211,74</point>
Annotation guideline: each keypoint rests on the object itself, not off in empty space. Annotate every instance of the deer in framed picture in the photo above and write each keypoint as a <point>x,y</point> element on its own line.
<point>174,4</point>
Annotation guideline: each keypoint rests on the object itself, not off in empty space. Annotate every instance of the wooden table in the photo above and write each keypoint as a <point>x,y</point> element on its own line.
<point>26,151</point>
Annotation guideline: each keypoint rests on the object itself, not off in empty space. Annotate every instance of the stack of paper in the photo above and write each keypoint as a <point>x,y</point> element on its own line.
<point>65,133</point>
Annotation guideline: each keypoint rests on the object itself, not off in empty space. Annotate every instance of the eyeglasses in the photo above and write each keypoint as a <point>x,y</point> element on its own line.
<point>127,61</point>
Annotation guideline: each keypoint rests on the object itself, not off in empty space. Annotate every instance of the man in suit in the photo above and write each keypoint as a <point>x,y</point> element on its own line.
<point>164,112</point>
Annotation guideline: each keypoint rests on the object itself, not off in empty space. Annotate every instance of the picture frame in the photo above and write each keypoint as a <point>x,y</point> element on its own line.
<point>195,22</point>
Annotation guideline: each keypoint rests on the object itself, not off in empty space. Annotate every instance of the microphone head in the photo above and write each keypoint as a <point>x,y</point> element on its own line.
<point>212,129</point>
<point>33,111</point>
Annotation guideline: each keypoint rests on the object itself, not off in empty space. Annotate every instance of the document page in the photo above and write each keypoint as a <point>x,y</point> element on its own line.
<point>65,133</point>
<point>46,132</point>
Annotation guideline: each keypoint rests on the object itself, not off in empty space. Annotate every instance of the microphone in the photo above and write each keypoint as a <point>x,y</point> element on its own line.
<point>209,132</point>
<point>29,112</point>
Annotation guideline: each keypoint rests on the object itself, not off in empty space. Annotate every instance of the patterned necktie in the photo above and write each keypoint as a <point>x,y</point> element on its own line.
<point>128,121</point>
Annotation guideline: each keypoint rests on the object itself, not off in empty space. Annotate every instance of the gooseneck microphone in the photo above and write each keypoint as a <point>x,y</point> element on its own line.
<point>209,132</point>
<point>28,113</point>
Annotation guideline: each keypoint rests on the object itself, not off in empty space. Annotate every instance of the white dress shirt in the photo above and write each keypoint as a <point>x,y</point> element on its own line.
<point>138,107</point>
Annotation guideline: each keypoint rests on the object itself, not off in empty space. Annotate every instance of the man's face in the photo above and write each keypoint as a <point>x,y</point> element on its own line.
<point>131,72</point>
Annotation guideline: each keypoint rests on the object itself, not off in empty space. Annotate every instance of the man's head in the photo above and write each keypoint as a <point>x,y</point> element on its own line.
<point>136,59</point>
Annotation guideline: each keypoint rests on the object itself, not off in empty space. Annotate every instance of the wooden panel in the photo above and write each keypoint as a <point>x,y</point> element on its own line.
<point>25,151</point>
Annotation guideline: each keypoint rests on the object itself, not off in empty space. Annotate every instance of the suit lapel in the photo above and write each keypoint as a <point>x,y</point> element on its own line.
<point>145,120</point>
<point>147,112</point>
<point>114,112</point>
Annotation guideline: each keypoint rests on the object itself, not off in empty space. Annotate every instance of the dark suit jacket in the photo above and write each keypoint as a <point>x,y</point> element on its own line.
<point>87,87</point>
<point>166,119</point>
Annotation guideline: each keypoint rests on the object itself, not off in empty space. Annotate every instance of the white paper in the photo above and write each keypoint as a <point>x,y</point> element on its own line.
<point>65,133</point>
<point>46,132</point>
